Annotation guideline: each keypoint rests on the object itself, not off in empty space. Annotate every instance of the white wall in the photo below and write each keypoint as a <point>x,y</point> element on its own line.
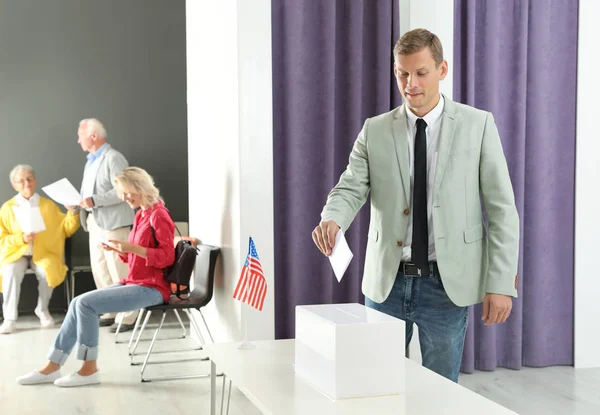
<point>230,150</point>
<point>256,151</point>
<point>587,177</point>
<point>436,16</point>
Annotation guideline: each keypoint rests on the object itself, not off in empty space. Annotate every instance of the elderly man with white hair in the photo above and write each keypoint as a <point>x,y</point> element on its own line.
<point>21,249</point>
<point>103,214</point>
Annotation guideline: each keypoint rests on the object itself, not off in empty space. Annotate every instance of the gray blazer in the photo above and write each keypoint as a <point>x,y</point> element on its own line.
<point>471,170</point>
<point>109,211</point>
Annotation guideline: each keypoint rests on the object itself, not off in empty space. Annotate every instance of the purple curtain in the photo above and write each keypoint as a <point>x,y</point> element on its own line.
<point>332,68</point>
<point>517,59</point>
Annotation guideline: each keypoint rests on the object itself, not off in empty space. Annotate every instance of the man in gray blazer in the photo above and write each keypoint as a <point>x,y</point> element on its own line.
<point>103,214</point>
<point>429,166</point>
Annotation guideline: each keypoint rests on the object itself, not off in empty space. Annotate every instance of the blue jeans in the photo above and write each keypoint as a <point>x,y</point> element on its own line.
<point>442,324</point>
<point>81,323</point>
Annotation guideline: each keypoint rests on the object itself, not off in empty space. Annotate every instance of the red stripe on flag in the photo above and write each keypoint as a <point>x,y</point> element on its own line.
<point>255,268</point>
<point>262,297</point>
<point>255,298</point>
<point>239,289</point>
<point>255,281</point>
<point>248,287</point>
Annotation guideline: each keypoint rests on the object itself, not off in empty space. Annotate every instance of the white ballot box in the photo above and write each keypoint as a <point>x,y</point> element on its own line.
<point>349,350</point>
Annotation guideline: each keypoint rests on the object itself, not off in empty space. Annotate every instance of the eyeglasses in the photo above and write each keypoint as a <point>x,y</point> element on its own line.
<point>29,179</point>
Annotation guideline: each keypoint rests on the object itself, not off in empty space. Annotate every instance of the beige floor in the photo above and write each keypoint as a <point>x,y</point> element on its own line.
<point>558,390</point>
<point>121,391</point>
<point>549,391</point>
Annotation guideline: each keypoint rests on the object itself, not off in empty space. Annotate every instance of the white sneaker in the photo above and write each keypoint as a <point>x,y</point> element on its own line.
<point>8,327</point>
<point>46,319</point>
<point>75,379</point>
<point>36,378</point>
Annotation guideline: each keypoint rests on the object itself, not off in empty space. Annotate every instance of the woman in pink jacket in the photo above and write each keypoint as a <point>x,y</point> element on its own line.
<point>148,252</point>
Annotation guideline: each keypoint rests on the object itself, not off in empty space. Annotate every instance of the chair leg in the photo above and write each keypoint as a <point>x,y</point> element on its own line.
<point>118,330</point>
<point>67,292</point>
<point>206,325</point>
<point>137,342</point>
<point>196,328</point>
<point>180,323</point>
<point>72,284</point>
<point>132,353</point>
<point>162,320</point>
<point>137,324</point>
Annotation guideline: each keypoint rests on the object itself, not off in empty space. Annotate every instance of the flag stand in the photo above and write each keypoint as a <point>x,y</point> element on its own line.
<point>245,345</point>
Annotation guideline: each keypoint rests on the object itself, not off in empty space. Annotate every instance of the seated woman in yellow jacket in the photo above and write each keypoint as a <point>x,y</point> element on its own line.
<point>42,252</point>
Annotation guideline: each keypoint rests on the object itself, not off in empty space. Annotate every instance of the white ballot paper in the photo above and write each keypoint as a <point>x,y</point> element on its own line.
<point>29,219</point>
<point>341,255</point>
<point>63,192</point>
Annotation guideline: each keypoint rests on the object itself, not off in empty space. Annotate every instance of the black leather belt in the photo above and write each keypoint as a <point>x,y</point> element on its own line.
<point>410,269</point>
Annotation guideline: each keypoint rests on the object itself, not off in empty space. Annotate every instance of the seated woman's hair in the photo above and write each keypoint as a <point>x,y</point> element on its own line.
<point>19,169</point>
<point>137,180</point>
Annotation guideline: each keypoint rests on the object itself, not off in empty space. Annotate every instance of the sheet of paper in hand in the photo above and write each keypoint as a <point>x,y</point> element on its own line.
<point>341,255</point>
<point>63,192</point>
<point>29,219</point>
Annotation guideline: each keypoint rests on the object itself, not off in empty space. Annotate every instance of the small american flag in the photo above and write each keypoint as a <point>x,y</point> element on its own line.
<point>252,285</point>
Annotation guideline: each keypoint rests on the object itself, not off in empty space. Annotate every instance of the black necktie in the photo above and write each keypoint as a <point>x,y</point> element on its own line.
<point>420,234</point>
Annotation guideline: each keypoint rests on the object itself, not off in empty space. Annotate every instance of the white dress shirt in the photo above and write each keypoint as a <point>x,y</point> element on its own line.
<point>34,201</point>
<point>434,122</point>
<point>89,174</point>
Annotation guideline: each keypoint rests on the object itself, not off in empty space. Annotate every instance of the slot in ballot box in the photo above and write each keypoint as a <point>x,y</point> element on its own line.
<point>349,350</point>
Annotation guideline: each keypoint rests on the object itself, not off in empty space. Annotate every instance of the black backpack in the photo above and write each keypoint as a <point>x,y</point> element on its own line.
<point>180,273</point>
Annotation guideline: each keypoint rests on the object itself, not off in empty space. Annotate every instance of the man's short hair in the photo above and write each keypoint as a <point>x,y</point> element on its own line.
<point>417,40</point>
<point>92,125</point>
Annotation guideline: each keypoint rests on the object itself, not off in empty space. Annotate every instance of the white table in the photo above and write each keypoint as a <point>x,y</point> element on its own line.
<point>266,376</point>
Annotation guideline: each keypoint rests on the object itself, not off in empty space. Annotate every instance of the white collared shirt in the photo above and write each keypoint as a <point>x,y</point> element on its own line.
<point>34,201</point>
<point>89,174</point>
<point>434,122</point>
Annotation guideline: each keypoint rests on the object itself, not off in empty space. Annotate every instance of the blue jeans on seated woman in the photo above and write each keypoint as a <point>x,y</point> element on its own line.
<point>442,324</point>
<point>81,325</point>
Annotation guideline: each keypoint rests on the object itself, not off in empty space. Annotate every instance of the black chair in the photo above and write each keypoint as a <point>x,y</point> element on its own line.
<point>73,270</point>
<point>200,295</point>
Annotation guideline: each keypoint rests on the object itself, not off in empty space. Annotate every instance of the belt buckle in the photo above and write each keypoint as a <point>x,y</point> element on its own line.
<point>410,263</point>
